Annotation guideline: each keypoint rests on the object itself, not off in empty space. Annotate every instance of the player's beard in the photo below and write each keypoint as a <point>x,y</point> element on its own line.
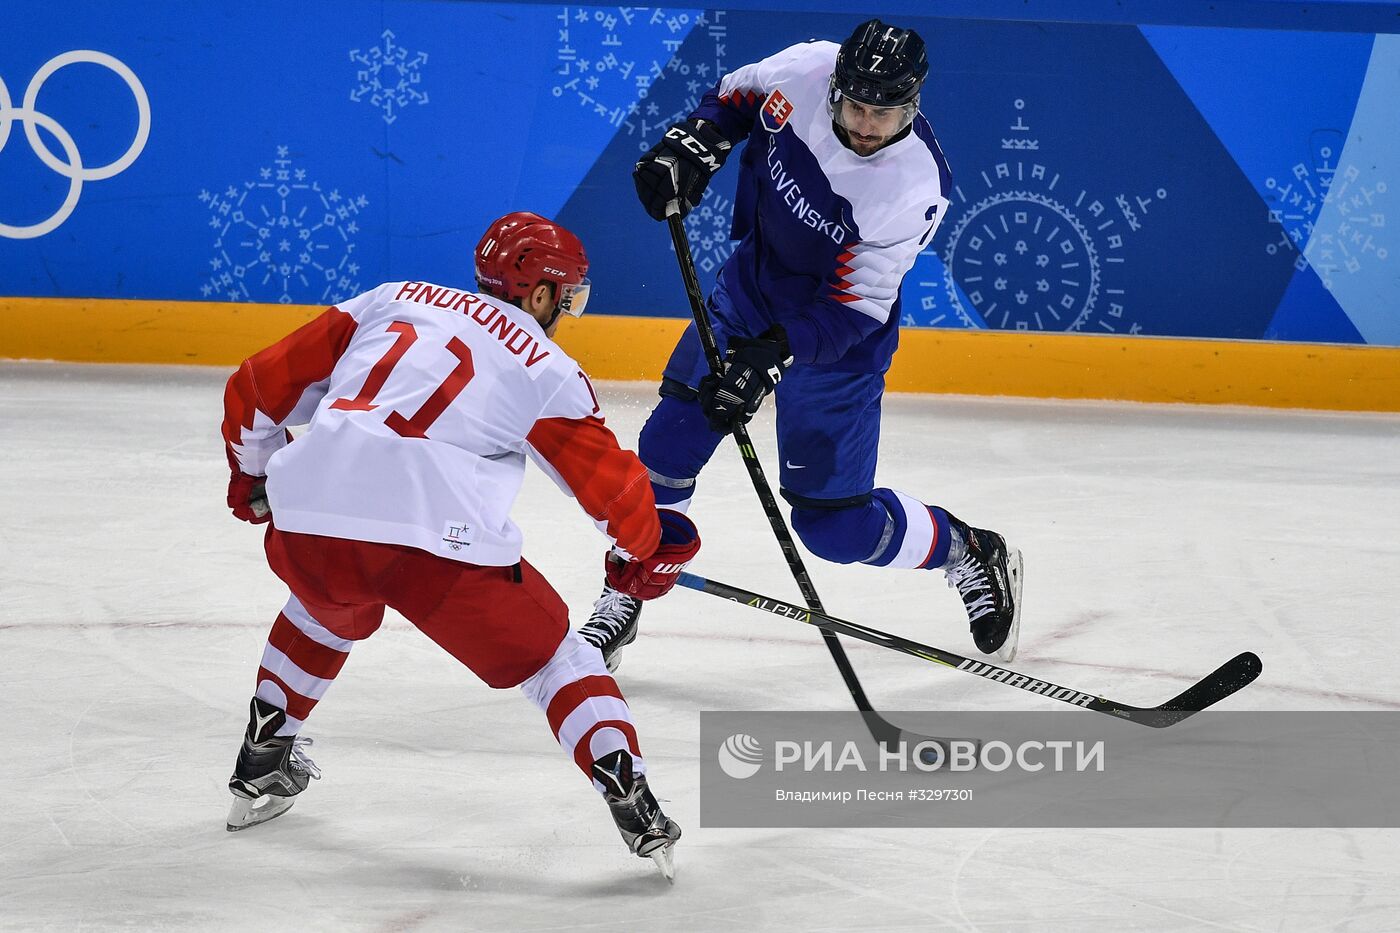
<point>867,146</point>
<point>861,146</point>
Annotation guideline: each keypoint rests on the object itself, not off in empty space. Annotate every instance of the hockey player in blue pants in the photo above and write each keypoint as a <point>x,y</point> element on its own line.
<point>842,183</point>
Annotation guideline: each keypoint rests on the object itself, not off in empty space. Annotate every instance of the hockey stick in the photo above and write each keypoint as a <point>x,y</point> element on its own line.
<point>884,731</point>
<point>1234,674</point>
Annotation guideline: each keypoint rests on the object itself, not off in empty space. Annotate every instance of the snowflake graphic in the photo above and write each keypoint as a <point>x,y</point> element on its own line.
<point>707,228</point>
<point>389,77</point>
<point>1025,252</point>
<point>609,58</point>
<point>282,239</point>
<point>1296,203</point>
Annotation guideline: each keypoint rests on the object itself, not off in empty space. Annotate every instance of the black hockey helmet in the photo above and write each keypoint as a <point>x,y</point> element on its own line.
<point>880,65</point>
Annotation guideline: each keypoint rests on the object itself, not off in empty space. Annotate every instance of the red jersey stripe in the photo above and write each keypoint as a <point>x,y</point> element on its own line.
<point>610,483</point>
<point>272,380</point>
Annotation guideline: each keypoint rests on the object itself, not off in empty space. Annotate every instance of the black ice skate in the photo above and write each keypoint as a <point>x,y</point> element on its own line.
<point>647,831</point>
<point>988,578</point>
<point>271,769</point>
<point>613,625</point>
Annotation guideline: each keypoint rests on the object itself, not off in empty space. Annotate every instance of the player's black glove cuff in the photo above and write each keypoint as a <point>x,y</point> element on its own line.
<point>752,368</point>
<point>679,167</point>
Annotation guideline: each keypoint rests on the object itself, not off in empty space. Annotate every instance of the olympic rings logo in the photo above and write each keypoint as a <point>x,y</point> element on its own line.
<point>73,169</point>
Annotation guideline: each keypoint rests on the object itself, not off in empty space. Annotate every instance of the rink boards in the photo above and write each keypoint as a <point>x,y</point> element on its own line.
<point>965,362</point>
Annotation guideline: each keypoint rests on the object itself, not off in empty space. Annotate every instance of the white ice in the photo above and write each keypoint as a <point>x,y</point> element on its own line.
<point>1159,541</point>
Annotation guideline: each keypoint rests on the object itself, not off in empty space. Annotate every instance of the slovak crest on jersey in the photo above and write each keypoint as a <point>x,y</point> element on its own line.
<point>775,112</point>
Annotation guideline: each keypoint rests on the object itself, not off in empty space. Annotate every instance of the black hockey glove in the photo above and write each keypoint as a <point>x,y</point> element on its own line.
<point>752,368</point>
<point>679,167</point>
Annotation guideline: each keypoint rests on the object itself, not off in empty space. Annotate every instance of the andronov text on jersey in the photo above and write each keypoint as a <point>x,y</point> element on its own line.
<point>517,339</point>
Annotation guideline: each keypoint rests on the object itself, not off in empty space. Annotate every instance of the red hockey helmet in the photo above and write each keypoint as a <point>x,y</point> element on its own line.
<point>522,250</point>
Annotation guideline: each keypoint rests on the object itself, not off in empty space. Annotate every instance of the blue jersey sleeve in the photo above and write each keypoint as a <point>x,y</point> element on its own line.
<point>823,332</point>
<point>732,113</point>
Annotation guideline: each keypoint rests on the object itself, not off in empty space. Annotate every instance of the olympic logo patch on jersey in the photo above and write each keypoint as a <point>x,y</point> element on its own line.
<point>775,112</point>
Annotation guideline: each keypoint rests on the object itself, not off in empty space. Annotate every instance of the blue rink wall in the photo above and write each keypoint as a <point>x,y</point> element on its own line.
<point>1199,172</point>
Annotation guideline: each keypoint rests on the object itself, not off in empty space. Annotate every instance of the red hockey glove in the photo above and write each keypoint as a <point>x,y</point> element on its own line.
<point>247,497</point>
<point>655,575</point>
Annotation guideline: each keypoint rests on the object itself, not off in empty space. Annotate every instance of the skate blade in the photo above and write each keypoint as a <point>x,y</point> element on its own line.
<point>1007,651</point>
<point>246,813</point>
<point>665,860</point>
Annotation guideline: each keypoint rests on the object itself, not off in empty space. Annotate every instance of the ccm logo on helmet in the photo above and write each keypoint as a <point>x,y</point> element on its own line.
<point>517,250</point>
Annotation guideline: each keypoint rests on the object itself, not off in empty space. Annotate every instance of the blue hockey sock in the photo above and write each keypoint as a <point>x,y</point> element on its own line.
<point>675,445</point>
<point>890,529</point>
<point>919,535</point>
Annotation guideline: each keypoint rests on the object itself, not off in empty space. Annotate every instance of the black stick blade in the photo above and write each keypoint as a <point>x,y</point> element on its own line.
<point>890,736</point>
<point>1235,674</point>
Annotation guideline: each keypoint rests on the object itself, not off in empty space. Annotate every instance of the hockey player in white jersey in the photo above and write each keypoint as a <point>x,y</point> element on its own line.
<point>423,403</point>
<point>842,184</point>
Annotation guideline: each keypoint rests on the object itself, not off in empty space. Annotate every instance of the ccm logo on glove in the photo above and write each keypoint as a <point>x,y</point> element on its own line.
<point>679,167</point>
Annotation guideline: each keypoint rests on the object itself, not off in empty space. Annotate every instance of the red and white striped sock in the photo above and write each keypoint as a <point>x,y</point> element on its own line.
<point>301,659</point>
<point>584,705</point>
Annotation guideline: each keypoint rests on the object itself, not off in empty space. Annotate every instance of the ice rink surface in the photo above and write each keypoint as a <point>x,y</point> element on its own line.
<point>1159,541</point>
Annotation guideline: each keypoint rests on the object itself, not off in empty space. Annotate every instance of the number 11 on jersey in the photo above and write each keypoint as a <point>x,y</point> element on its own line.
<point>436,403</point>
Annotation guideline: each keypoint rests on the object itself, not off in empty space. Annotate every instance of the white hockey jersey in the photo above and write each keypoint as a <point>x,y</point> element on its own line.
<point>423,402</point>
<point>827,236</point>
